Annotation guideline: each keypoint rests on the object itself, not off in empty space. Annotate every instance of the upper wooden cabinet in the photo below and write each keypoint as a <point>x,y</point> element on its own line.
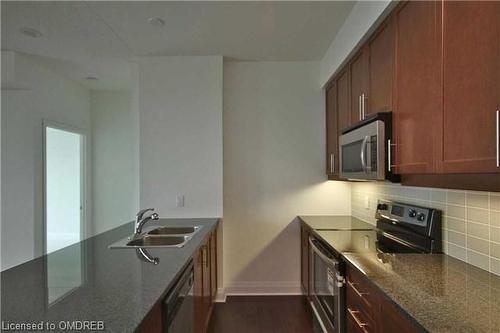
<point>417,111</point>
<point>343,100</point>
<point>359,86</point>
<point>380,51</point>
<point>471,85</point>
<point>332,131</point>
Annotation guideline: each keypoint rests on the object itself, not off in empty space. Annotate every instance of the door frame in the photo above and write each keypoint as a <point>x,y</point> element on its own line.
<point>84,176</point>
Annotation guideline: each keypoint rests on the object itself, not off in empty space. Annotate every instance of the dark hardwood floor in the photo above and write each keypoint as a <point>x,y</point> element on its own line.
<point>262,314</point>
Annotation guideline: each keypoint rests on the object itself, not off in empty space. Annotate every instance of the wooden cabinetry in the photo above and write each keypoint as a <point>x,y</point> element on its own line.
<point>205,282</point>
<point>304,258</point>
<point>359,86</point>
<point>381,53</point>
<point>368,310</point>
<point>332,132</point>
<point>471,45</point>
<point>416,115</point>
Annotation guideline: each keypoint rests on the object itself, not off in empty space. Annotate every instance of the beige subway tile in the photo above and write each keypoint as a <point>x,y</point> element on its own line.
<point>478,215</point>
<point>456,238</point>
<point>476,199</point>
<point>439,206</point>
<point>495,266</point>
<point>457,252</point>
<point>455,198</point>
<point>477,230</point>
<point>478,260</point>
<point>495,250</point>
<point>455,224</point>
<point>438,195</point>
<point>495,234</point>
<point>495,219</point>
<point>456,211</point>
<point>495,201</point>
<point>478,245</point>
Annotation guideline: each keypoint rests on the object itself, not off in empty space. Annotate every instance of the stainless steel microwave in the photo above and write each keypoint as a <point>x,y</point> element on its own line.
<point>365,149</point>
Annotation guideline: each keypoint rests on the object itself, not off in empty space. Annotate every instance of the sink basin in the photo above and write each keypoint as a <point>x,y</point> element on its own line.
<point>151,241</point>
<point>174,230</point>
<point>147,241</point>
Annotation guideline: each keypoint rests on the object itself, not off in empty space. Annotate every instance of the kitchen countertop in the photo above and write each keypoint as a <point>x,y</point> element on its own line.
<point>440,293</point>
<point>340,222</point>
<point>89,281</point>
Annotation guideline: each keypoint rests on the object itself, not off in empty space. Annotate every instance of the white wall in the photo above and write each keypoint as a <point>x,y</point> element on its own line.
<point>274,161</point>
<point>115,177</point>
<point>180,100</point>
<point>48,96</point>
<point>364,16</point>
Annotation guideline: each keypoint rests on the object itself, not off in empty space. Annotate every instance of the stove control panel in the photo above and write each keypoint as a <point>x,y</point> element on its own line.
<point>400,213</point>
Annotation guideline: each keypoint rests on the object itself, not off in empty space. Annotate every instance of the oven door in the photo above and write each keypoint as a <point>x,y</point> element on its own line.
<point>326,287</point>
<point>362,152</point>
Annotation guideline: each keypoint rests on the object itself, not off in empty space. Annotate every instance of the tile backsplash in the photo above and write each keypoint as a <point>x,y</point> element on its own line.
<point>471,219</point>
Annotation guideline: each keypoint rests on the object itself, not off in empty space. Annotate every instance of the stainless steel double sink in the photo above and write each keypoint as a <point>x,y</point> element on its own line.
<point>170,236</point>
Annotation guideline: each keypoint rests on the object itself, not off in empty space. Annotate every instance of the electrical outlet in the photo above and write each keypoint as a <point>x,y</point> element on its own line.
<point>179,200</point>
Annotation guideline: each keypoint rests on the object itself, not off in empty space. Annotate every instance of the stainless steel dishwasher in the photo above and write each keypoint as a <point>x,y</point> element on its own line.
<point>178,307</point>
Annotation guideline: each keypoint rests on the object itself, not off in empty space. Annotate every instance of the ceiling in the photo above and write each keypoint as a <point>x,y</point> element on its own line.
<point>94,34</point>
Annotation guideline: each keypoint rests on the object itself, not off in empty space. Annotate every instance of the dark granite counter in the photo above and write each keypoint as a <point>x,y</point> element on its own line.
<point>340,222</point>
<point>440,293</point>
<point>89,281</point>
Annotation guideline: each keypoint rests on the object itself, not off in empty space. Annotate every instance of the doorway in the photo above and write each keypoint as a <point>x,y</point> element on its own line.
<point>65,166</point>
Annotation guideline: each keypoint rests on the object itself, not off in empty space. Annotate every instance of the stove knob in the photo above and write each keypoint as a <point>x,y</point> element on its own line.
<point>421,217</point>
<point>382,206</point>
<point>412,213</point>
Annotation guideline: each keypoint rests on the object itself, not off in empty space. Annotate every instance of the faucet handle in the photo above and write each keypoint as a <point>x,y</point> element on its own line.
<point>141,213</point>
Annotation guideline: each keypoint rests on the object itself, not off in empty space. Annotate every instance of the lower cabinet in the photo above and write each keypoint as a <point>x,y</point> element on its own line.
<point>304,258</point>
<point>204,290</point>
<point>205,282</point>
<point>368,310</point>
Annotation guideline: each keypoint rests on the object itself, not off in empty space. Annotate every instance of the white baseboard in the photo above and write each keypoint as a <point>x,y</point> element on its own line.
<point>260,288</point>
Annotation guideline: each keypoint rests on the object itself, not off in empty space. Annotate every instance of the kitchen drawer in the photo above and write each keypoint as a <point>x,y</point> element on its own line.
<point>358,321</point>
<point>359,291</point>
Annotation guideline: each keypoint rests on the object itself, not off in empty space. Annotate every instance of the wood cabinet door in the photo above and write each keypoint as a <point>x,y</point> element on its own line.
<point>343,100</point>
<point>332,133</point>
<point>417,113</point>
<point>199,304</point>
<point>213,266</point>
<point>304,258</point>
<point>381,49</point>
<point>207,290</point>
<point>359,86</point>
<point>471,44</point>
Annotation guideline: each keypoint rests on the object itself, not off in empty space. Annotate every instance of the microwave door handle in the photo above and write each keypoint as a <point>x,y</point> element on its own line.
<point>362,154</point>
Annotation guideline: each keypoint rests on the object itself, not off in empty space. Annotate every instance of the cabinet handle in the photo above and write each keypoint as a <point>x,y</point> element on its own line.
<point>332,163</point>
<point>359,293</point>
<point>358,322</point>
<point>498,138</point>
<point>389,157</point>
<point>206,256</point>
<point>359,107</point>
<point>363,106</point>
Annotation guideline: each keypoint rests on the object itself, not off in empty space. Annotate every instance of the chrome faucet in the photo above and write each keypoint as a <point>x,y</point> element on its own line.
<point>140,219</point>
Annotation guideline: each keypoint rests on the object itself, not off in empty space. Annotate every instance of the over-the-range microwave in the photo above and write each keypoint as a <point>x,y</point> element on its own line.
<point>365,149</point>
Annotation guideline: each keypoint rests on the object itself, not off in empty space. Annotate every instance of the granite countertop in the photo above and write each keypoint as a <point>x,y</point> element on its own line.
<point>339,222</point>
<point>440,293</point>
<point>89,281</point>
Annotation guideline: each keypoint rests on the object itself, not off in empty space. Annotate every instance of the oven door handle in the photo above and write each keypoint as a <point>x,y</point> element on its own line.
<point>362,154</point>
<point>331,261</point>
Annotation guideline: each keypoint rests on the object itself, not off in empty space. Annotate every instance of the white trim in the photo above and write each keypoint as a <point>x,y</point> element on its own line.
<point>263,288</point>
<point>84,228</point>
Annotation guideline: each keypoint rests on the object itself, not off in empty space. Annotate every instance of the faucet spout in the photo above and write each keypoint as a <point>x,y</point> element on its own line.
<point>141,220</point>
